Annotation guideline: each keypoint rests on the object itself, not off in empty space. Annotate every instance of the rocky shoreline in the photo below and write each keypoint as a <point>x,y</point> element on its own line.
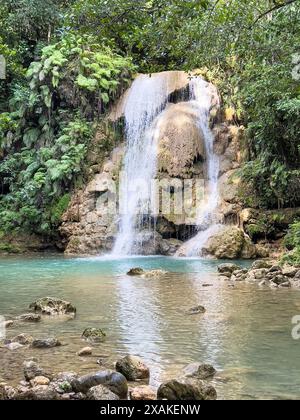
<point>265,273</point>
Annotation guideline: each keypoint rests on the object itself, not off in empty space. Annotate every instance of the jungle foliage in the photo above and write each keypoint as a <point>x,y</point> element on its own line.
<point>249,48</point>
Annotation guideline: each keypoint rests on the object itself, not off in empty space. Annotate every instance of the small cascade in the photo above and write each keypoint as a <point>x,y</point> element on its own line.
<point>207,219</point>
<point>145,100</point>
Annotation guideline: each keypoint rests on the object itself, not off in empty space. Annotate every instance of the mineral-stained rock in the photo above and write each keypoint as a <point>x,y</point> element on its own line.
<point>53,306</point>
<point>45,343</point>
<point>143,392</point>
<point>186,389</point>
<point>101,393</point>
<point>133,368</point>
<point>94,335</point>
<point>115,381</point>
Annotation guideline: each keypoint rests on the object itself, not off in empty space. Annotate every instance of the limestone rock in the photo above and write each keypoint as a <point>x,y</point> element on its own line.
<point>101,393</point>
<point>53,306</point>
<point>133,368</point>
<point>143,393</point>
<point>94,335</point>
<point>186,389</point>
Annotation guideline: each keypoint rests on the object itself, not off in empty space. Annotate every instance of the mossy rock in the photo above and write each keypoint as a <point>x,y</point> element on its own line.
<point>95,335</point>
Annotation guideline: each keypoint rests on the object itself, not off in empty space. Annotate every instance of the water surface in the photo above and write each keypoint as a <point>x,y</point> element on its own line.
<point>245,332</point>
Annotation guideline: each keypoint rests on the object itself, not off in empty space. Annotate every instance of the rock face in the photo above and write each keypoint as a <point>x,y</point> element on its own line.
<point>180,142</point>
<point>230,243</point>
<point>53,306</point>
<point>115,381</point>
<point>133,368</point>
<point>89,224</point>
<point>186,389</point>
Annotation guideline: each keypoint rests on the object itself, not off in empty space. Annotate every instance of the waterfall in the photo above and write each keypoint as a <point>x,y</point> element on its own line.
<point>207,221</point>
<point>145,101</point>
<point>147,98</point>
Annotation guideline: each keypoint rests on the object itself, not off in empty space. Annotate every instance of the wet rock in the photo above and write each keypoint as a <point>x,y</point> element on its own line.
<point>86,351</point>
<point>53,306</point>
<point>279,279</point>
<point>41,392</point>
<point>7,392</point>
<point>186,389</point>
<point>8,323</point>
<point>228,268</point>
<point>261,264</point>
<point>45,343</point>
<point>143,393</point>
<point>115,381</point>
<point>29,318</point>
<point>275,268</point>
<point>289,271</point>
<point>14,346</point>
<point>259,274</point>
<point>101,393</point>
<point>133,368</point>
<point>200,371</point>
<point>154,273</point>
<point>61,382</point>
<point>22,339</point>
<point>196,310</point>
<point>94,335</point>
<point>286,284</point>
<point>31,369</point>
<point>137,271</point>
<point>39,380</point>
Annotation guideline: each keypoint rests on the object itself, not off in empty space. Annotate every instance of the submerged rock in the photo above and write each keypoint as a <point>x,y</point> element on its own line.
<point>186,389</point>
<point>196,310</point>
<point>200,371</point>
<point>115,381</point>
<point>137,271</point>
<point>14,346</point>
<point>154,273</point>
<point>29,317</point>
<point>22,339</point>
<point>53,306</point>
<point>45,343</point>
<point>31,369</point>
<point>95,335</point>
<point>86,351</point>
<point>101,393</point>
<point>133,368</point>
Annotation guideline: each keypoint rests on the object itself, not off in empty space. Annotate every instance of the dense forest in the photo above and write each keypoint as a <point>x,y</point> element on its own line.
<point>68,60</point>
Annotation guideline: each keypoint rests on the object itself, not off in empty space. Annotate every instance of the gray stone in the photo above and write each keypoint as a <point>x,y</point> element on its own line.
<point>101,393</point>
<point>115,381</point>
<point>186,389</point>
<point>53,306</point>
<point>45,343</point>
<point>198,370</point>
<point>94,335</point>
<point>31,369</point>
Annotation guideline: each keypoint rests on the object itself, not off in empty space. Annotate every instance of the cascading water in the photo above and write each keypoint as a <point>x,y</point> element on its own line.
<point>148,96</point>
<point>146,100</point>
<point>207,221</point>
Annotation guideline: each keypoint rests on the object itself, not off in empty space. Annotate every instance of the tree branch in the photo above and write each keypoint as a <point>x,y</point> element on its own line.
<point>276,7</point>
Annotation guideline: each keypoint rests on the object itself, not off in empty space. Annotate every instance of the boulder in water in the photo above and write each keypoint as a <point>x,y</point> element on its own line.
<point>133,368</point>
<point>137,271</point>
<point>186,389</point>
<point>94,335</point>
<point>53,306</point>
<point>200,371</point>
<point>86,351</point>
<point>45,343</point>
<point>114,381</point>
<point>101,393</point>
<point>196,310</point>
